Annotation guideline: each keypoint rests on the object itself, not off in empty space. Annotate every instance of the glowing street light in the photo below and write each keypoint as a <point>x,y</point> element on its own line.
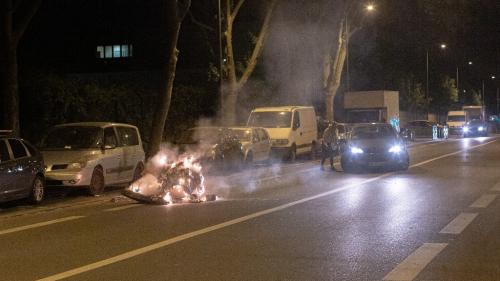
<point>443,46</point>
<point>370,7</point>
<point>470,62</point>
<point>493,77</point>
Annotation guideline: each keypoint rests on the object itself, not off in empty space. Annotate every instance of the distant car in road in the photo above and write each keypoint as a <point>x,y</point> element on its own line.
<point>93,155</point>
<point>424,129</point>
<point>256,143</point>
<point>475,128</point>
<point>21,171</point>
<point>374,145</point>
<point>218,147</point>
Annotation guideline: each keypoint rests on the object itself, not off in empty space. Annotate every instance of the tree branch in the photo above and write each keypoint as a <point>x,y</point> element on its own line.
<point>24,18</point>
<point>258,45</point>
<point>199,23</point>
<point>182,8</point>
<point>236,9</point>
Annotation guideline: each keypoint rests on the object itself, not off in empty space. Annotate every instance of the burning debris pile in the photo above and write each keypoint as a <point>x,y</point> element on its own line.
<point>167,182</point>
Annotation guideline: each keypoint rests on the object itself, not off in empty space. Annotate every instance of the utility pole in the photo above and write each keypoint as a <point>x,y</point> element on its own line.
<point>348,78</point>
<point>498,102</point>
<point>221,75</point>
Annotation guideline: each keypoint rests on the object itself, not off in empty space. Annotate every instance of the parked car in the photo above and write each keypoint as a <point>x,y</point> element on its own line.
<point>21,170</point>
<point>256,143</point>
<point>424,129</point>
<point>475,128</point>
<point>216,147</point>
<point>93,155</point>
<point>374,145</point>
<point>293,129</point>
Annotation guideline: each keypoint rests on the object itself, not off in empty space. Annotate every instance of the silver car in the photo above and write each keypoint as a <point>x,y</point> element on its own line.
<point>256,143</point>
<point>93,155</point>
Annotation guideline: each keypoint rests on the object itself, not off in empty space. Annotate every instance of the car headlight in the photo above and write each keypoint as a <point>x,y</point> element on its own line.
<point>356,150</point>
<point>481,128</point>
<point>281,141</point>
<point>395,148</point>
<point>76,165</point>
<point>466,129</point>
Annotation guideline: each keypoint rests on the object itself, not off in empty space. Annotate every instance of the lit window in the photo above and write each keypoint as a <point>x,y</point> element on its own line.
<point>124,51</point>
<point>100,52</point>
<point>116,51</point>
<point>108,53</point>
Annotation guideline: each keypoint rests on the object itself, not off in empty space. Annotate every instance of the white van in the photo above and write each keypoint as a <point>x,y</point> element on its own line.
<point>92,154</point>
<point>293,129</point>
<point>456,121</point>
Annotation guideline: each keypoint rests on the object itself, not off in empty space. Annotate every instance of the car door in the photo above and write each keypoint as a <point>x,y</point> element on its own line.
<point>298,132</point>
<point>265,143</point>
<point>21,168</point>
<point>129,141</point>
<point>7,178</point>
<point>112,156</point>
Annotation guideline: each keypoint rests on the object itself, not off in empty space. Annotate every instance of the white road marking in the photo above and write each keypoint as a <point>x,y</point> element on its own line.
<point>40,224</point>
<point>123,207</point>
<point>457,225</point>
<point>164,243</point>
<point>450,154</point>
<point>484,201</point>
<point>496,187</point>
<point>416,262</point>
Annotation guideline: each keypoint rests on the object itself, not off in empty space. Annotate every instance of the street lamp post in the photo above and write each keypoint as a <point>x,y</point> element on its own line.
<point>442,46</point>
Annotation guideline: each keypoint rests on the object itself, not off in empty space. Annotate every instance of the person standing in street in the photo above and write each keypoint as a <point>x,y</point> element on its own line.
<point>328,143</point>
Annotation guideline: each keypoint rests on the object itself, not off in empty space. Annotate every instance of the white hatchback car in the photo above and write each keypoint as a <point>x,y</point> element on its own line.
<point>92,154</point>
<point>256,143</point>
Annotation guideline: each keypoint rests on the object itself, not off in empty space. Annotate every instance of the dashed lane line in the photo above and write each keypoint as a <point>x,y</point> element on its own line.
<point>457,225</point>
<point>484,201</point>
<point>416,264</point>
<point>409,268</point>
<point>122,207</point>
<point>40,224</point>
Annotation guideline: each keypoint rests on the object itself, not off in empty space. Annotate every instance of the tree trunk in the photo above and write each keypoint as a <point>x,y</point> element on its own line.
<point>9,89</point>
<point>174,20</point>
<point>335,73</point>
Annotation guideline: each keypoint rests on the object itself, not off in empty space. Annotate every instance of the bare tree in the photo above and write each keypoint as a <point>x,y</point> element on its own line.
<point>234,83</point>
<point>15,15</point>
<point>176,10</point>
<point>335,57</point>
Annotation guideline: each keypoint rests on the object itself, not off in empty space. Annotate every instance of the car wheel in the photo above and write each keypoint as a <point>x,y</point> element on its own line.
<point>97,182</point>
<point>346,165</point>
<point>138,172</point>
<point>314,149</point>
<point>249,159</point>
<point>292,154</point>
<point>37,190</point>
<point>405,165</point>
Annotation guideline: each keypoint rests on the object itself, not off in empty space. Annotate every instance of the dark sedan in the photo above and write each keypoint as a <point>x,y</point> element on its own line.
<point>21,171</point>
<point>475,128</point>
<point>374,145</point>
<point>218,147</point>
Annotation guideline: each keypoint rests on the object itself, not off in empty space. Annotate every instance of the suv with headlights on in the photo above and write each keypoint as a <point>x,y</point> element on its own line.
<point>93,155</point>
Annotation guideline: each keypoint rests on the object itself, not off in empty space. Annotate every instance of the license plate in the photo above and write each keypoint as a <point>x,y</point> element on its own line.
<point>375,164</point>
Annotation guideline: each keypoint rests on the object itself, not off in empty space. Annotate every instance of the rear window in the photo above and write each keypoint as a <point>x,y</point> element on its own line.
<point>4,152</point>
<point>128,136</point>
<point>30,148</point>
<point>17,149</point>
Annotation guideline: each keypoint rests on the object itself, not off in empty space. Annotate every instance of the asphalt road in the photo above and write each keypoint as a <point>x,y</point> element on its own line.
<point>437,221</point>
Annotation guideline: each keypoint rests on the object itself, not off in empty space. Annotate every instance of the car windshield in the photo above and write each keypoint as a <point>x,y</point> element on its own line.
<point>372,132</point>
<point>456,118</point>
<point>243,134</point>
<point>73,137</point>
<point>271,119</point>
<point>198,135</point>
<point>475,122</point>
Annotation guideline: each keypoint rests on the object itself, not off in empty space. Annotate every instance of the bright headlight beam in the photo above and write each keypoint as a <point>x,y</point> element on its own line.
<point>395,148</point>
<point>466,129</point>
<point>356,150</point>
